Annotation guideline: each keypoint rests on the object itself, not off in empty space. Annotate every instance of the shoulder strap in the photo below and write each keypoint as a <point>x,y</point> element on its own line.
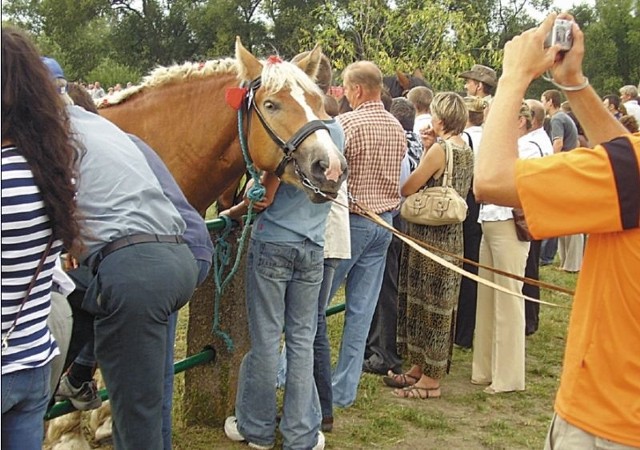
<point>470,140</point>
<point>539,148</point>
<point>448,164</point>
<point>5,339</point>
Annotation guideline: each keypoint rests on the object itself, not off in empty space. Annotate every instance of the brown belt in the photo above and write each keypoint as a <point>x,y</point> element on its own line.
<point>133,240</point>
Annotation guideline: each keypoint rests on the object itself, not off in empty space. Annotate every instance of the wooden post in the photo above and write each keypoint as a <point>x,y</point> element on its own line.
<point>210,390</point>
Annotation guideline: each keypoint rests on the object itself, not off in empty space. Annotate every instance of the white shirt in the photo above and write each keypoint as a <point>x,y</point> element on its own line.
<point>495,213</point>
<point>337,235</point>
<point>60,277</point>
<point>422,121</point>
<point>475,133</point>
<point>633,109</point>
<point>540,137</point>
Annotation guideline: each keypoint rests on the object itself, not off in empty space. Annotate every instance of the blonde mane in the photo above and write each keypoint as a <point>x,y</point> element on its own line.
<point>275,76</point>
<point>278,75</point>
<point>172,74</point>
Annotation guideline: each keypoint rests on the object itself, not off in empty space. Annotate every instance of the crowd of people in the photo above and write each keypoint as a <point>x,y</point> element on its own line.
<point>96,91</point>
<point>65,170</point>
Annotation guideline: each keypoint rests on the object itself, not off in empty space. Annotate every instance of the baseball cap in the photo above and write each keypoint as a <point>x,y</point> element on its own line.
<point>54,68</point>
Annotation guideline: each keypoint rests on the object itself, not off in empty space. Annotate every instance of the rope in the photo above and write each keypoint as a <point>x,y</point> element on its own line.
<point>222,254</point>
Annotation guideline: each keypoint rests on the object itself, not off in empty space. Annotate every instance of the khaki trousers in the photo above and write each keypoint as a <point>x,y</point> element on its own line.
<point>571,249</point>
<point>60,323</point>
<point>499,343</point>
<point>564,436</point>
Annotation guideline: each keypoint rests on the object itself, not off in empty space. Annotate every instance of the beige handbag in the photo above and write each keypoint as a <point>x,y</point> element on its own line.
<point>438,205</point>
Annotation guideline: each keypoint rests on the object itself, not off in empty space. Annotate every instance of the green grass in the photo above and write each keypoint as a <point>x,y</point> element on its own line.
<point>463,418</point>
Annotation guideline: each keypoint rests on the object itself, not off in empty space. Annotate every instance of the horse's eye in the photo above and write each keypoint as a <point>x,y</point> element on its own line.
<point>269,105</point>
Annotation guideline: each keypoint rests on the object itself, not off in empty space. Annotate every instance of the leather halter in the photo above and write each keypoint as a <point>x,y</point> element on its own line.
<point>290,146</point>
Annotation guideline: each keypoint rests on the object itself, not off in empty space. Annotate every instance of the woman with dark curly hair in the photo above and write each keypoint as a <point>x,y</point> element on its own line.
<point>38,218</point>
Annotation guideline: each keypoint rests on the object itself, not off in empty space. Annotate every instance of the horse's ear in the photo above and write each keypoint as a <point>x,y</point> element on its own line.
<point>310,63</point>
<point>418,74</point>
<point>403,80</point>
<point>249,67</point>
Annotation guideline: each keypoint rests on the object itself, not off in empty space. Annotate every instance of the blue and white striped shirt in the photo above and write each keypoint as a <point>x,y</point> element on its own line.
<point>26,230</point>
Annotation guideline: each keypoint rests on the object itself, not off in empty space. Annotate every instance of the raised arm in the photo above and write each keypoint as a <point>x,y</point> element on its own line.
<point>525,59</point>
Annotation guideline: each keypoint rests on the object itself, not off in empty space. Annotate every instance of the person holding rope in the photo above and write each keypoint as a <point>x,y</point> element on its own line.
<point>597,401</point>
<point>283,280</point>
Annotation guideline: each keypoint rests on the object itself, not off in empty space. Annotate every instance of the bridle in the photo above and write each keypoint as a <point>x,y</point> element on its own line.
<point>288,147</point>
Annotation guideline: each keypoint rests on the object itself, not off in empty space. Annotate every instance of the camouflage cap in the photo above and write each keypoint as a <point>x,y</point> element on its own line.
<point>475,104</point>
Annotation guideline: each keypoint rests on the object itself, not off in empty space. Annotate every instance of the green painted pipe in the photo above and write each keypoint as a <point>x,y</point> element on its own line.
<point>215,224</point>
<point>205,356</point>
<point>335,309</point>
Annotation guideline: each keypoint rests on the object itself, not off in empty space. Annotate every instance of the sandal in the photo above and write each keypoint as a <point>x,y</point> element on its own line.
<point>417,392</point>
<point>399,380</point>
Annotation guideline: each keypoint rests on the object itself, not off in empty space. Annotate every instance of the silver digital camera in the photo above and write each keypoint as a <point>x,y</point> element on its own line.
<point>560,34</point>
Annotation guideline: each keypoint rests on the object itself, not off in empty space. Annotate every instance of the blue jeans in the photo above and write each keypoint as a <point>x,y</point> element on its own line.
<point>25,396</point>
<point>133,296</point>
<point>282,285</point>
<point>363,273</point>
<point>321,347</point>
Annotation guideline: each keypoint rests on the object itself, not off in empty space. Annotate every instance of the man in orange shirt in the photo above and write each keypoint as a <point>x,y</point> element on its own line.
<point>593,191</point>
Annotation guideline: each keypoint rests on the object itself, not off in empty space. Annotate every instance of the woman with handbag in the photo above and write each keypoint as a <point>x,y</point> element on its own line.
<point>38,218</point>
<point>428,292</point>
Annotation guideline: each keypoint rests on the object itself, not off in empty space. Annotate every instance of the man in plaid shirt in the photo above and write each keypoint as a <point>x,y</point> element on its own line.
<point>374,148</point>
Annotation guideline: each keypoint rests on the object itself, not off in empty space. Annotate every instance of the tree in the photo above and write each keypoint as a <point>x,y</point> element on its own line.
<point>613,45</point>
<point>289,21</point>
<point>434,37</point>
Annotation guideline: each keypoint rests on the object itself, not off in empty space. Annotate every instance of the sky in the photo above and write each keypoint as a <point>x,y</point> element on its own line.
<point>563,5</point>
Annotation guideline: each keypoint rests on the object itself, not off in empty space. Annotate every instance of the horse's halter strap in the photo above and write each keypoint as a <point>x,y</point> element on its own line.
<point>294,141</point>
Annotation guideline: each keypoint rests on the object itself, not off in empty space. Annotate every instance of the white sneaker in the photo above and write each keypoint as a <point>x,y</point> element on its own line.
<point>320,444</point>
<point>231,430</point>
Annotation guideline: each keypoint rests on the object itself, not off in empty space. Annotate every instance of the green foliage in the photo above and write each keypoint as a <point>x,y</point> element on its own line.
<point>435,38</point>
<point>440,38</point>
<point>613,45</point>
<point>109,72</point>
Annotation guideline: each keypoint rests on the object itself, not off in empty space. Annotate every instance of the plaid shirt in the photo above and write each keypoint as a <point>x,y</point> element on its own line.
<point>374,147</point>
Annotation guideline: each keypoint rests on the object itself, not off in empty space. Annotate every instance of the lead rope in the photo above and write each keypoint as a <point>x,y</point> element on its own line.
<point>423,248</point>
<point>222,253</point>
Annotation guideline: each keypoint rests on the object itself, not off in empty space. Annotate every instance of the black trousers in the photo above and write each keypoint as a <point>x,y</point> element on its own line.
<point>381,353</point>
<point>466,314</point>
<point>531,309</point>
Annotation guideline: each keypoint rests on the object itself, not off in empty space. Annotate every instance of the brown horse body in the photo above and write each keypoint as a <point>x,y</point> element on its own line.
<point>181,112</point>
<point>196,151</point>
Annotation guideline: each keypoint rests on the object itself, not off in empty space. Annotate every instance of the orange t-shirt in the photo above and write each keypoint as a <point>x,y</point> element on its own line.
<point>596,192</point>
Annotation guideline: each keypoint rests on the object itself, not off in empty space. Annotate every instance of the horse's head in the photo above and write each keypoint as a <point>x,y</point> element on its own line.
<point>399,84</point>
<point>285,133</point>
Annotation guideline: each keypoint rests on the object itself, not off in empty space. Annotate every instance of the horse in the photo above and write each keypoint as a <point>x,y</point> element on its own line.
<point>399,84</point>
<point>189,115</point>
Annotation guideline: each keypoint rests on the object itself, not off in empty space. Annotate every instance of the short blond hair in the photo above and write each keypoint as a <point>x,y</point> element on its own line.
<point>421,97</point>
<point>451,109</point>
